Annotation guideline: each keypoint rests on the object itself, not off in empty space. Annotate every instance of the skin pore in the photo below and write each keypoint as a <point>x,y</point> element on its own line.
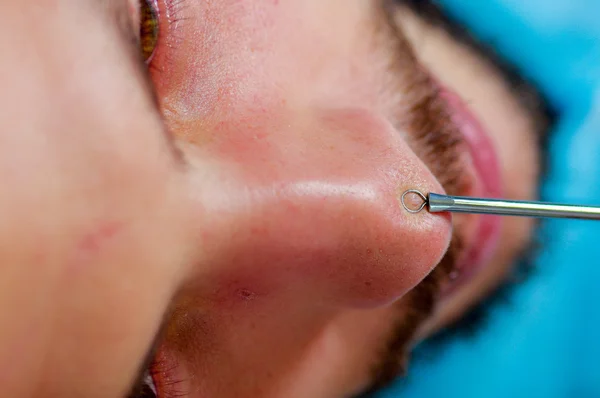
<point>243,194</point>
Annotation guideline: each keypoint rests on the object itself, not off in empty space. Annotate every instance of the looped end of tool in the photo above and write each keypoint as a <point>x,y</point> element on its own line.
<point>413,210</point>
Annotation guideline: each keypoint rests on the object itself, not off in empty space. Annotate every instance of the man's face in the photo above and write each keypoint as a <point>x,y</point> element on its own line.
<point>246,217</point>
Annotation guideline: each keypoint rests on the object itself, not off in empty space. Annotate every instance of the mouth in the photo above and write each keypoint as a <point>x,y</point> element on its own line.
<point>480,234</point>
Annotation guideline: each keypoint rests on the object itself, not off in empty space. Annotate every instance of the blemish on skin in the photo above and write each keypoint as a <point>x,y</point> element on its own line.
<point>93,242</point>
<point>454,275</point>
<point>90,244</point>
<point>413,201</point>
<point>245,294</point>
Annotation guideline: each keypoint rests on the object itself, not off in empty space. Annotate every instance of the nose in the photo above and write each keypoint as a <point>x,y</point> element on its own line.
<point>310,204</point>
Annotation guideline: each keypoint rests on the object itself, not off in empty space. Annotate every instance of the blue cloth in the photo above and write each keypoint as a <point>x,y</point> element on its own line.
<point>547,343</point>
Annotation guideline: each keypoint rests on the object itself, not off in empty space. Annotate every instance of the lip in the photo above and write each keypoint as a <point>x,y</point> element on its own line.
<point>483,240</point>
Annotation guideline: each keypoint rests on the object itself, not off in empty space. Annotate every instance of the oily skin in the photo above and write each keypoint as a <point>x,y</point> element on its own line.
<point>274,230</point>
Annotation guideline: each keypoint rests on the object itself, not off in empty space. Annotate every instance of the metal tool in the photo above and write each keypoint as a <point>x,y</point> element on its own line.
<point>436,203</point>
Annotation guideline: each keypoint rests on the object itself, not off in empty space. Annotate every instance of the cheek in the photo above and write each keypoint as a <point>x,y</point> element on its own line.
<point>217,58</point>
<point>207,51</point>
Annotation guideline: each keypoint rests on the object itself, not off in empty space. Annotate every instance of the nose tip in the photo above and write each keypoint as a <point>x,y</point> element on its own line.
<point>394,251</point>
<point>328,219</point>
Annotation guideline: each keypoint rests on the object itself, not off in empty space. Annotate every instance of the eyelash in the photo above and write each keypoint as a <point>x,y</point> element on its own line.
<point>170,23</point>
<point>163,371</point>
<point>163,374</point>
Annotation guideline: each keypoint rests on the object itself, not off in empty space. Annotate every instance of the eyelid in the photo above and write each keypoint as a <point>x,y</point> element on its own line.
<point>149,357</point>
<point>172,23</point>
<point>124,19</point>
<point>133,7</point>
<point>131,47</point>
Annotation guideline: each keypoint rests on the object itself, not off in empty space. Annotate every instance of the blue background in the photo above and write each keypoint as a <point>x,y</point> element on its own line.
<point>547,343</point>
